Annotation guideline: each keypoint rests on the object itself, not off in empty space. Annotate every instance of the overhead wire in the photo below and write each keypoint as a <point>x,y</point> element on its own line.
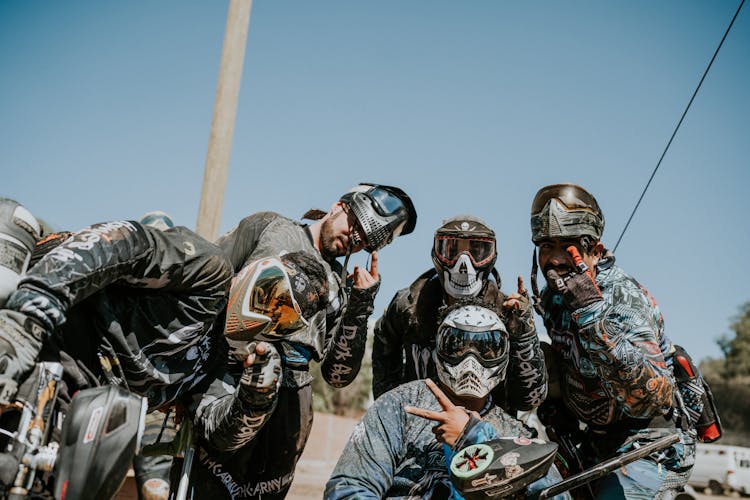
<point>674,133</point>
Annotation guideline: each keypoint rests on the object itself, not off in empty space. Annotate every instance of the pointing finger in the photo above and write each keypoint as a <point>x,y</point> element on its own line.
<point>428,414</point>
<point>521,288</point>
<point>374,266</point>
<point>445,403</point>
<point>573,251</point>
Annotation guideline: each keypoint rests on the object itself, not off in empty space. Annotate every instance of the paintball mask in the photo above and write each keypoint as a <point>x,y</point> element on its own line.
<point>382,212</point>
<point>273,298</point>
<point>464,252</point>
<point>565,211</point>
<point>19,232</point>
<point>472,351</point>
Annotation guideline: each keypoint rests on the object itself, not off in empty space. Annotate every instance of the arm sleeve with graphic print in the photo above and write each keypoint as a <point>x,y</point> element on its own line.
<point>621,338</point>
<point>387,348</point>
<point>345,345</point>
<point>369,460</point>
<point>228,415</point>
<point>176,261</point>
<point>527,375</point>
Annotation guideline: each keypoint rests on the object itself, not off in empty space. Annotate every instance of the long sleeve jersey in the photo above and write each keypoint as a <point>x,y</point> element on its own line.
<point>335,338</point>
<point>394,454</point>
<point>136,305</point>
<point>405,341</point>
<point>612,352</point>
<point>229,417</point>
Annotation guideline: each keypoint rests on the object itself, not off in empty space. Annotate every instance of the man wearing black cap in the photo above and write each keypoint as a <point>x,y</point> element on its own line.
<point>463,253</point>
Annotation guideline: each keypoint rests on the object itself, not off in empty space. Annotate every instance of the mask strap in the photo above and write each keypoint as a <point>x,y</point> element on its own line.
<point>536,299</point>
<point>494,272</point>
<point>346,263</point>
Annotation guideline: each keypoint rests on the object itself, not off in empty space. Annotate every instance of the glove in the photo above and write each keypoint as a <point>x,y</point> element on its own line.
<point>20,343</point>
<point>262,375</point>
<point>519,313</point>
<point>578,289</point>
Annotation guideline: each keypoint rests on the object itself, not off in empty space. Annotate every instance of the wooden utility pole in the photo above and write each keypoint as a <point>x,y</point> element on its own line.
<point>222,125</point>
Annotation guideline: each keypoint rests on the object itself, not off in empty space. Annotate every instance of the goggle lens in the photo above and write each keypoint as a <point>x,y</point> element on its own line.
<point>272,296</point>
<point>449,249</point>
<point>386,203</point>
<point>261,302</point>
<point>490,347</point>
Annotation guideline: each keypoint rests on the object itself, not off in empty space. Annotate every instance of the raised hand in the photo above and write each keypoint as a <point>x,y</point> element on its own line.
<point>451,421</point>
<point>364,278</point>
<point>262,374</point>
<point>519,315</point>
<point>519,299</point>
<point>579,288</point>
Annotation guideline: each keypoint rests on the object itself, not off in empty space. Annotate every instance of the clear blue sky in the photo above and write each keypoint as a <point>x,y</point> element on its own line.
<point>105,111</point>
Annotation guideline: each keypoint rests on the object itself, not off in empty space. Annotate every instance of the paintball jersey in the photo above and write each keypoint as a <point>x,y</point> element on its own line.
<point>405,341</point>
<point>134,304</point>
<point>336,337</point>
<point>394,454</point>
<point>611,353</point>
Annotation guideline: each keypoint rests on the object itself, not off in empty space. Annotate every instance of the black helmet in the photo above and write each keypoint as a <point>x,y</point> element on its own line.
<point>464,252</point>
<point>565,211</point>
<point>383,212</point>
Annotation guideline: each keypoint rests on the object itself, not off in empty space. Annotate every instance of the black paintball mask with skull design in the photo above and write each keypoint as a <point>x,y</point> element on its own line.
<point>464,252</point>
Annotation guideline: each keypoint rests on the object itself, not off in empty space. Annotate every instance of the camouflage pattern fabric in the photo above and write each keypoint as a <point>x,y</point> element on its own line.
<point>614,377</point>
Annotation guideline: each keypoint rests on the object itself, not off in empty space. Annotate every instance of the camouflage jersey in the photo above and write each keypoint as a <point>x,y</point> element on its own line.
<point>394,454</point>
<point>405,342</point>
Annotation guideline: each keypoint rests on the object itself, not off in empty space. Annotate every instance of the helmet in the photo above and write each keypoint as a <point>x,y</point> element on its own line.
<point>565,211</point>
<point>19,232</point>
<point>272,298</point>
<point>472,350</point>
<point>464,252</point>
<point>157,219</point>
<point>383,213</point>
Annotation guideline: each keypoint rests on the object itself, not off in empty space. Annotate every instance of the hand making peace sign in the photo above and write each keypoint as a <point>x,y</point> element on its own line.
<point>450,422</point>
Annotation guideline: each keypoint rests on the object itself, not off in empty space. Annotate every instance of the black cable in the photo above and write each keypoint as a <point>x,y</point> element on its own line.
<point>678,125</point>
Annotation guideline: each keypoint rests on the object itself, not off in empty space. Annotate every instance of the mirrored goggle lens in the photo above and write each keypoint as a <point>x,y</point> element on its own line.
<point>386,203</point>
<point>450,248</point>
<point>271,295</point>
<point>455,344</point>
<point>573,197</point>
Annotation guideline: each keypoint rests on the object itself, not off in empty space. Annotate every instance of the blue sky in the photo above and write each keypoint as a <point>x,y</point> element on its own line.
<point>105,111</point>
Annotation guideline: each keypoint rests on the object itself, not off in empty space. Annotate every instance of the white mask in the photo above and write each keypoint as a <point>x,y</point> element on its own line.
<point>462,280</point>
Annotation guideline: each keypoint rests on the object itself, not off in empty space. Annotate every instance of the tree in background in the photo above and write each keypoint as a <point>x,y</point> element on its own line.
<point>729,379</point>
<point>737,349</point>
